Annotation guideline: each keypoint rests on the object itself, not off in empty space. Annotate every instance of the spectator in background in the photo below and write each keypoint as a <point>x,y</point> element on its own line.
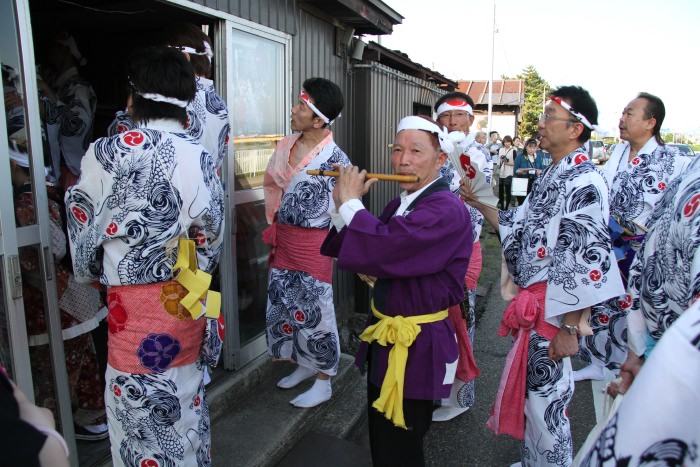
<point>494,143</point>
<point>518,145</point>
<point>480,137</point>
<point>527,165</point>
<point>506,158</point>
<point>545,156</point>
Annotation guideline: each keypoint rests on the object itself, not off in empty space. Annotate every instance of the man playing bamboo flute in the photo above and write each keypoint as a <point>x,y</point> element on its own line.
<point>557,250</point>
<point>300,316</point>
<point>410,346</point>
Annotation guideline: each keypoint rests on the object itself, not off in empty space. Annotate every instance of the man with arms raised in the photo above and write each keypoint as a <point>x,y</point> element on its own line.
<point>455,112</point>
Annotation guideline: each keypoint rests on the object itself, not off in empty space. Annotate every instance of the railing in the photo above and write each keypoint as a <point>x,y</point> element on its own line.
<point>251,162</point>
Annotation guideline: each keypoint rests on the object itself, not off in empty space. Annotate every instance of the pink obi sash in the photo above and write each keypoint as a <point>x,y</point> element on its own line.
<point>524,312</point>
<point>298,249</point>
<point>149,331</point>
<point>474,268</point>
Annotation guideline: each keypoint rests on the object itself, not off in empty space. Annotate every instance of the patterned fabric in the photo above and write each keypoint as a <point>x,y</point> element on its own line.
<point>665,275</point>
<point>635,188</point>
<point>140,191</point>
<point>207,117</point>
<point>77,113</point>
<point>482,157</point>
<point>664,432</point>
<point>550,387</point>
<point>300,314</point>
<point>559,236</point>
<point>144,187</point>
<point>136,312</point>
<point>159,419</point>
<point>84,380</point>
<point>208,120</point>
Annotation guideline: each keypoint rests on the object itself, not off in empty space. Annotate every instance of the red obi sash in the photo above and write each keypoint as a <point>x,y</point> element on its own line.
<point>524,312</point>
<point>298,249</point>
<point>149,330</point>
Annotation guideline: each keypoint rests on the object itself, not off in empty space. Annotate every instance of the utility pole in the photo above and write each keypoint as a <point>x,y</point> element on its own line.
<point>493,38</point>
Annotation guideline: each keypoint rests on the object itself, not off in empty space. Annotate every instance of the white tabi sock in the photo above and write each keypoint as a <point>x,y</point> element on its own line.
<point>320,392</point>
<point>592,371</point>
<point>299,375</point>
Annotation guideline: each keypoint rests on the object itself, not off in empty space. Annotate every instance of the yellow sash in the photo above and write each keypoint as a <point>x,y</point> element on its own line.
<point>196,282</point>
<point>400,332</point>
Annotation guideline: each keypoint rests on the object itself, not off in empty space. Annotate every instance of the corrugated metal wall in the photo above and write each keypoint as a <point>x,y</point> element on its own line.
<point>382,97</point>
<point>277,14</point>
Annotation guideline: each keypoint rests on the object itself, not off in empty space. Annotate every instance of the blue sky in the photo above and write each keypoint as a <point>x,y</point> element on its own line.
<point>613,48</point>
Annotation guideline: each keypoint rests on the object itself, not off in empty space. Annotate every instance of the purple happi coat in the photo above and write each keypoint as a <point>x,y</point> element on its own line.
<point>420,259</point>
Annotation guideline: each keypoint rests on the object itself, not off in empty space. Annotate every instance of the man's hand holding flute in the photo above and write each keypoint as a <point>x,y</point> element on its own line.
<point>351,183</point>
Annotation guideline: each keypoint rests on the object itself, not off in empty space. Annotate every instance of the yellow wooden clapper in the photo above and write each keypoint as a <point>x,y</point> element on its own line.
<point>199,301</point>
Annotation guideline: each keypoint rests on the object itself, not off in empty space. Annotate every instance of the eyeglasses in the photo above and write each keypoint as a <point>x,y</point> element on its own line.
<point>455,115</point>
<point>547,117</point>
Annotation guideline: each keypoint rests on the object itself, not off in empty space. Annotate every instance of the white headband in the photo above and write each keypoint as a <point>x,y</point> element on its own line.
<point>305,98</point>
<point>455,104</point>
<point>190,50</point>
<point>418,123</point>
<point>67,40</point>
<point>155,97</point>
<point>579,116</point>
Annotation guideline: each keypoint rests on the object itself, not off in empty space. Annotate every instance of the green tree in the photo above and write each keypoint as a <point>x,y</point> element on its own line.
<point>536,89</point>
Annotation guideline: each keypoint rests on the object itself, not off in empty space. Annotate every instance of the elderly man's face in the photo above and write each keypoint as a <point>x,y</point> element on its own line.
<point>456,120</point>
<point>413,153</point>
<point>481,139</point>
<point>634,126</point>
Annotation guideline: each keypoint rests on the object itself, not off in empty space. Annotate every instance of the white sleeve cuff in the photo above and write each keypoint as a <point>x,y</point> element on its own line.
<point>349,209</point>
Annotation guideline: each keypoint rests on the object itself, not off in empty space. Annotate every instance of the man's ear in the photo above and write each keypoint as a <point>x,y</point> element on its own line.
<point>318,122</point>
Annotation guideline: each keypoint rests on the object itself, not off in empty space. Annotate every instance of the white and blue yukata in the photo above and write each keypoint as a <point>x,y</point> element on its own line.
<point>142,190</point>
<point>635,185</point>
<point>300,316</point>
<point>463,387</point>
<point>558,236</point>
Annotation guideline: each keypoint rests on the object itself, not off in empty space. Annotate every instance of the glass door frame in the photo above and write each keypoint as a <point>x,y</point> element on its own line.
<point>240,353</point>
<point>12,238</point>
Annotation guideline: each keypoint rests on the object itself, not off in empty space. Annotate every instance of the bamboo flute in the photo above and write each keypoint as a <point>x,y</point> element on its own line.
<point>383,177</point>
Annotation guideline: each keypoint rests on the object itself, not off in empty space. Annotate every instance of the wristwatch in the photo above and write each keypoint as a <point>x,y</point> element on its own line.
<point>573,330</point>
